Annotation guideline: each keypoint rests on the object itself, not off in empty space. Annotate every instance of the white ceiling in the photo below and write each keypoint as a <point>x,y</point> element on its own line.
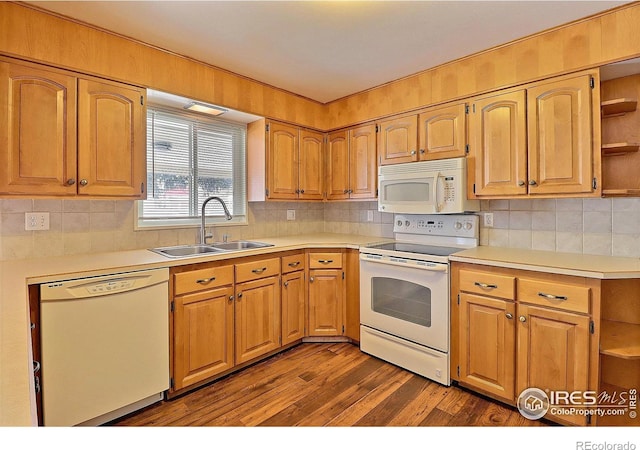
<point>325,50</point>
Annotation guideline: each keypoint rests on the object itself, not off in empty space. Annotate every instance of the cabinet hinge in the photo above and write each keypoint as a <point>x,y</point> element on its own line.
<point>474,188</point>
<point>142,100</point>
<point>588,419</point>
<point>592,327</point>
<point>171,383</point>
<point>342,329</point>
<point>466,148</point>
<point>458,299</point>
<point>173,306</point>
<point>266,191</point>
<point>343,275</point>
<point>377,128</point>
<point>474,107</point>
<point>142,188</point>
<point>266,127</point>
<point>376,192</point>
<point>458,370</point>
<point>466,109</point>
<point>279,340</point>
<point>592,83</point>
<point>595,183</point>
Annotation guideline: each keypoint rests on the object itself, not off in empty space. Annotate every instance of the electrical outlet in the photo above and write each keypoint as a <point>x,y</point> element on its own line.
<point>488,220</point>
<point>36,221</point>
<point>291,214</point>
<point>369,216</point>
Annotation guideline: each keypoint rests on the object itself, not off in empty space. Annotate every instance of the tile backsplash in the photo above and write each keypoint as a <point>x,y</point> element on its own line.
<point>592,226</point>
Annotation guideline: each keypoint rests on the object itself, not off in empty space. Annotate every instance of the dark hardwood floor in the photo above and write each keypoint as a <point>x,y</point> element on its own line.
<point>327,385</point>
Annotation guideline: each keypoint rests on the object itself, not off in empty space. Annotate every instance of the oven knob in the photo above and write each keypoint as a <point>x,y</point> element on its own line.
<point>468,225</point>
<point>457,225</point>
<point>399,223</point>
<point>407,223</point>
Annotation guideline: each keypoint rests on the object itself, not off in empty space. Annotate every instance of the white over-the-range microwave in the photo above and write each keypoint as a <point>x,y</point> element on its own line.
<point>426,187</point>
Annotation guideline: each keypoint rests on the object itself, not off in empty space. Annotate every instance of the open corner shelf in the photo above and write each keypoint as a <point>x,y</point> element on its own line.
<point>621,192</point>
<point>619,148</point>
<point>619,339</point>
<point>618,106</point>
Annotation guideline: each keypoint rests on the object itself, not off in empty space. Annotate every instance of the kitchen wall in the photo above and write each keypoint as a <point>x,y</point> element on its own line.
<point>591,226</point>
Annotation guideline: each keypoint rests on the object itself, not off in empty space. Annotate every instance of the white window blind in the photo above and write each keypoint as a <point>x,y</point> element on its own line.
<point>190,158</point>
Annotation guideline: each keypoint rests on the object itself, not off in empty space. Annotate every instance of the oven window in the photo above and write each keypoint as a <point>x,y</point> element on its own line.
<point>406,191</point>
<point>401,299</point>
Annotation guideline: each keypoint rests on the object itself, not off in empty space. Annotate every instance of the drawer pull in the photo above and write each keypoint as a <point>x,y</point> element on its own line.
<point>551,296</point>
<point>259,270</point>
<point>205,280</point>
<point>325,261</point>
<point>294,264</point>
<point>485,285</point>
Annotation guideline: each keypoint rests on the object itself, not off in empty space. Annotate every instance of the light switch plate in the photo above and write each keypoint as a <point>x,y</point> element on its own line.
<point>36,221</point>
<point>291,214</point>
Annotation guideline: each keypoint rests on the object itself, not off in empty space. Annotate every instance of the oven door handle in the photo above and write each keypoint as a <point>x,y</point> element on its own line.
<point>432,267</point>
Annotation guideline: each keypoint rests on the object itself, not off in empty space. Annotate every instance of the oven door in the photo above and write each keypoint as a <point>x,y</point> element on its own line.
<point>407,299</point>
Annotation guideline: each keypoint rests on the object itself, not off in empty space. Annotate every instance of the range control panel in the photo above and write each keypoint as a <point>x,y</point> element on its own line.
<point>457,225</point>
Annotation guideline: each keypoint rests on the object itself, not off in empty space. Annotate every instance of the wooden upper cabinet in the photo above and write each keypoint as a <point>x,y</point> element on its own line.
<point>111,141</point>
<point>38,131</point>
<point>311,163</point>
<point>561,152</point>
<point>67,136</point>
<point>443,132</point>
<point>497,162</point>
<point>282,161</point>
<point>338,165</point>
<point>363,170</point>
<point>398,140</point>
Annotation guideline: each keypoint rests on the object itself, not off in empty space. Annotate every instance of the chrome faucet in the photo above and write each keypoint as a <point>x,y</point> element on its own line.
<point>203,234</point>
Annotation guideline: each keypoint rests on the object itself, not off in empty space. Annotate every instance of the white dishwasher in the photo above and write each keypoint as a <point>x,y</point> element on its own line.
<point>105,346</point>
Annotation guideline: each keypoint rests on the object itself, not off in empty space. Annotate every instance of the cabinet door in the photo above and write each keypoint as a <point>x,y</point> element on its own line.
<point>311,176</point>
<point>363,177</point>
<point>338,165</point>
<point>203,335</point>
<point>293,306</point>
<point>398,140</point>
<point>257,310</point>
<point>37,132</point>
<point>282,161</point>
<point>443,132</point>
<point>560,137</point>
<point>487,344</point>
<point>111,140</point>
<point>553,352</point>
<point>326,297</point>
<point>497,163</point>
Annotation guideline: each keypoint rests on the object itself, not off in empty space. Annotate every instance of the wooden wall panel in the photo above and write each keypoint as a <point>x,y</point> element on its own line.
<point>620,36</point>
<point>35,35</point>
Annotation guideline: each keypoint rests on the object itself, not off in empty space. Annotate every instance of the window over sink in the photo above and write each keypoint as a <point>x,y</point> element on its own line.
<point>190,157</point>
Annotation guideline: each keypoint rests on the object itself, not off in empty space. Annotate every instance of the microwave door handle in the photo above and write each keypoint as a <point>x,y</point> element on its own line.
<point>439,192</point>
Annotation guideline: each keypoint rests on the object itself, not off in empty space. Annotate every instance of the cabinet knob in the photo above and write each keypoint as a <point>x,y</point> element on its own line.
<point>239,295</point>
<point>302,191</point>
<point>509,316</point>
<point>230,298</point>
<point>532,182</point>
<point>422,152</point>
<point>286,283</point>
<point>523,319</point>
<point>346,191</point>
<point>297,191</point>
<point>83,182</point>
<point>413,152</point>
<point>521,183</point>
<point>310,279</point>
<point>71,181</point>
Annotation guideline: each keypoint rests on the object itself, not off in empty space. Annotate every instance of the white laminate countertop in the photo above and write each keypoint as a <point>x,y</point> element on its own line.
<point>576,264</point>
<point>17,398</point>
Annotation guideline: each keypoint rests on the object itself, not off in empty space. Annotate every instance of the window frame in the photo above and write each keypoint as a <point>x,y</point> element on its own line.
<point>141,223</point>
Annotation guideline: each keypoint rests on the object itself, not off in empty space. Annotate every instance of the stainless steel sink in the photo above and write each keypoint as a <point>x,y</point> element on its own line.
<point>182,251</point>
<point>239,245</point>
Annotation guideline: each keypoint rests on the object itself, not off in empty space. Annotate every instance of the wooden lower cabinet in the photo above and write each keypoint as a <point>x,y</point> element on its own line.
<point>257,316</point>
<point>326,302</point>
<point>294,300</point>
<point>203,335</point>
<point>487,344</point>
<point>508,340</point>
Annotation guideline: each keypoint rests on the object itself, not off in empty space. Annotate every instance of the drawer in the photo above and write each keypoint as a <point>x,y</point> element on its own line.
<point>292,263</point>
<point>325,260</point>
<point>487,283</point>
<point>197,280</point>
<point>257,269</point>
<point>570,297</point>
